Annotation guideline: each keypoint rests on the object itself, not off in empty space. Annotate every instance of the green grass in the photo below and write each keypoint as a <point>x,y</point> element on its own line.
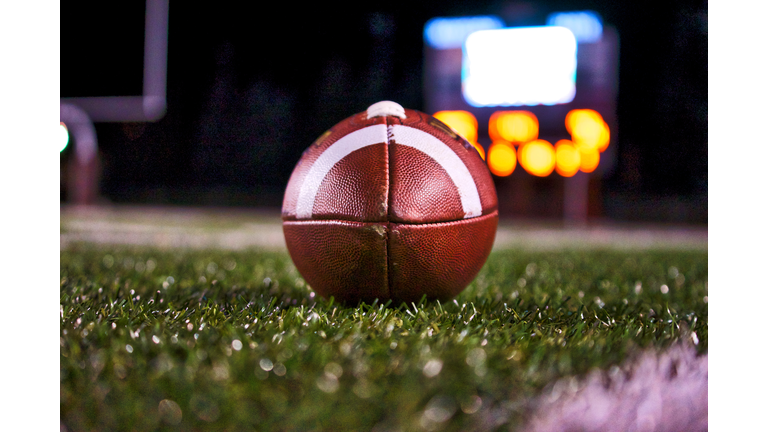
<point>223,340</point>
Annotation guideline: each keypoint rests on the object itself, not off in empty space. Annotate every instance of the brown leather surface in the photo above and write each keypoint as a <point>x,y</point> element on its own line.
<point>357,261</point>
<point>438,260</point>
<point>387,220</point>
<point>351,124</point>
<point>347,260</point>
<point>466,152</point>
<point>356,188</point>
<point>421,190</point>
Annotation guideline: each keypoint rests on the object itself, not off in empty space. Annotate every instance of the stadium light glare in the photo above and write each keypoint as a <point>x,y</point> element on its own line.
<point>502,159</point>
<point>449,33</point>
<point>537,157</point>
<point>463,122</point>
<point>567,158</point>
<point>588,130</point>
<point>62,137</point>
<point>587,26</point>
<point>513,126</point>
<point>519,66</point>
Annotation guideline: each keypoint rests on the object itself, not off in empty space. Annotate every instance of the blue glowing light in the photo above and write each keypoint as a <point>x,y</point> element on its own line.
<point>519,66</point>
<point>587,26</point>
<point>447,33</point>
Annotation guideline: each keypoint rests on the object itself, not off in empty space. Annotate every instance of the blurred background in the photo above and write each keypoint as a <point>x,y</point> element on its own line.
<point>233,93</point>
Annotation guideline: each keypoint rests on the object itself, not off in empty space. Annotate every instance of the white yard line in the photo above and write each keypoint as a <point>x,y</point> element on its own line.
<point>656,391</point>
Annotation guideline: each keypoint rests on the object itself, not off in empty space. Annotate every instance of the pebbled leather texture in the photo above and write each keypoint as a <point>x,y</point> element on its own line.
<point>355,188</point>
<point>421,189</point>
<point>347,260</point>
<point>390,208</point>
<point>440,259</point>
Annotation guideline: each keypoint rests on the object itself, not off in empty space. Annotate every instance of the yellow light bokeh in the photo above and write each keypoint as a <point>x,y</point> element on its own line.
<point>588,130</point>
<point>502,159</point>
<point>567,158</point>
<point>537,157</point>
<point>589,160</point>
<point>463,122</point>
<point>513,126</point>
<point>590,135</point>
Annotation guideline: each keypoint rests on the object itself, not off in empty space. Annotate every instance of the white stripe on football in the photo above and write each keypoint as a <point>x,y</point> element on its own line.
<point>402,135</point>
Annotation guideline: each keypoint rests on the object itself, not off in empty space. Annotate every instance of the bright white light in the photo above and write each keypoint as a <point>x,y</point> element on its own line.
<point>447,33</point>
<point>587,26</point>
<point>519,66</point>
<point>62,136</point>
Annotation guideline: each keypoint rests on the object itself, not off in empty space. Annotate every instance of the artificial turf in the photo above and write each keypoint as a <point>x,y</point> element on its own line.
<point>234,340</point>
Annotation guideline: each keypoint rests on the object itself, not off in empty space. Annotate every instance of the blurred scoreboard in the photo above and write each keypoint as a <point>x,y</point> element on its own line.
<point>540,97</point>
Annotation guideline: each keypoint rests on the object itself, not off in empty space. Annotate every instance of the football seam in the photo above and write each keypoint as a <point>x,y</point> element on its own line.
<point>388,169</point>
<point>386,231</point>
<point>388,222</point>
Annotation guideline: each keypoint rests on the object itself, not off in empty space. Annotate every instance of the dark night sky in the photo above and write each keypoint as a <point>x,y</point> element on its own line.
<point>251,86</point>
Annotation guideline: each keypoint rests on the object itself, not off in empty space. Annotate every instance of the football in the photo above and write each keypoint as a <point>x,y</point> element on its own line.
<point>389,204</point>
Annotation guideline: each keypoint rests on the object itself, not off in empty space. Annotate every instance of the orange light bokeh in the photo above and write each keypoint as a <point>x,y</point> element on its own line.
<point>589,160</point>
<point>513,126</point>
<point>588,130</point>
<point>567,158</point>
<point>502,159</point>
<point>537,157</point>
<point>463,122</point>
<point>590,135</point>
